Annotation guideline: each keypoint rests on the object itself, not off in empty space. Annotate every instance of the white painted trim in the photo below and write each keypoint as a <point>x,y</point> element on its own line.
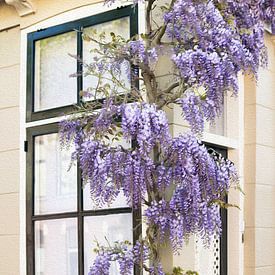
<point>241,171</point>
<point>75,14</point>
<point>230,143</point>
<point>236,217</point>
<point>22,187</point>
<point>219,140</point>
<point>68,16</point>
<point>268,28</point>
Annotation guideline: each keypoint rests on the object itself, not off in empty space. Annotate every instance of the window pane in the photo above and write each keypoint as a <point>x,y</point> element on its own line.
<point>218,127</point>
<point>56,251</point>
<point>53,65</point>
<point>55,185</point>
<point>120,201</point>
<point>119,27</point>
<point>116,227</point>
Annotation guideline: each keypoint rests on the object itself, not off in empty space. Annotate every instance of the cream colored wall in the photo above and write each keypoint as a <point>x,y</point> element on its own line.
<point>260,170</point>
<point>44,9</point>
<point>9,151</point>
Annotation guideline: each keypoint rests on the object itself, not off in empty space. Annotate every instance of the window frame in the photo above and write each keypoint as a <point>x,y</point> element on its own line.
<point>77,25</point>
<point>79,214</point>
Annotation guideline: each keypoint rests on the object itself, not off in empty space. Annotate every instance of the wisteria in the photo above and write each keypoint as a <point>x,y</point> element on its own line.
<point>125,254</point>
<point>180,184</point>
<point>199,179</point>
<point>215,41</point>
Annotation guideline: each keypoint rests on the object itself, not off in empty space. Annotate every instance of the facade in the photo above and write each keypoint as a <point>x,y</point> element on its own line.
<point>49,230</point>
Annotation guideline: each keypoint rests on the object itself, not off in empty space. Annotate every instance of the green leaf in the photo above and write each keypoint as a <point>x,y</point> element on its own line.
<point>86,37</point>
<point>224,204</point>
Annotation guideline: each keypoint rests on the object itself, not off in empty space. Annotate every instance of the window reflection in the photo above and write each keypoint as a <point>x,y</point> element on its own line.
<point>104,230</point>
<point>119,202</point>
<point>55,185</point>
<point>119,27</point>
<point>53,65</point>
<point>56,247</point>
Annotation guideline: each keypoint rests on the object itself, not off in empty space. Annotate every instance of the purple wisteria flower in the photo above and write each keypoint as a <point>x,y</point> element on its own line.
<point>216,40</point>
<point>126,255</point>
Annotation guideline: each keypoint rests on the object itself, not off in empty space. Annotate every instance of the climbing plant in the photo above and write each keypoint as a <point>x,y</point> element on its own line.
<point>190,55</point>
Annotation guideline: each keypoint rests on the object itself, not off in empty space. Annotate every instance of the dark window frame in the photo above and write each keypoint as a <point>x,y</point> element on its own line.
<point>78,25</point>
<point>224,218</point>
<point>79,214</point>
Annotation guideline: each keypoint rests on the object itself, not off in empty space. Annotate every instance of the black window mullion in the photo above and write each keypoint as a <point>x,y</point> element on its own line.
<point>80,224</point>
<point>134,21</point>
<point>107,211</point>
<point>80,230</point>
<point>79,64</point>
<point>223,242</point>
<point>30,205</point>
<point>54,216</point>
<point>30,79</point>
<point>137,231</point>
<point>137,220</point>
<point>224,236</point>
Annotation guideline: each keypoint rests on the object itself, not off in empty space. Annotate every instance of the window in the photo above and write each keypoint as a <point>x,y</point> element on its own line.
<point>50,91</point>
<point>62,223</point>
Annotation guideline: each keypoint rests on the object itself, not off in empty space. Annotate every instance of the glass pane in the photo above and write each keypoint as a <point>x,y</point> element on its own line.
<point>56,251</point>
<point>218,126</point>
<point>116,227</point>
<point>120,201</point>
<point>119,27</point>
<point>55,185</point>
<point>53,65</point>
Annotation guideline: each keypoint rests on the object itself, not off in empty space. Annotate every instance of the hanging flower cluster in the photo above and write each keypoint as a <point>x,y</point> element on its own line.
<point>212,41</point>
<point>198,179</point>
<point>215,41</point>
<point>140,54</point>
<point>127,256</point>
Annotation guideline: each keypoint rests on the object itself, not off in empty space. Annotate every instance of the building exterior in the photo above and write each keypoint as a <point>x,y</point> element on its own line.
<point>50,229</point>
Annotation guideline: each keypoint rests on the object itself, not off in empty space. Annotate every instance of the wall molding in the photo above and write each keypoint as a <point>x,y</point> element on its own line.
<point>23,7</point>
